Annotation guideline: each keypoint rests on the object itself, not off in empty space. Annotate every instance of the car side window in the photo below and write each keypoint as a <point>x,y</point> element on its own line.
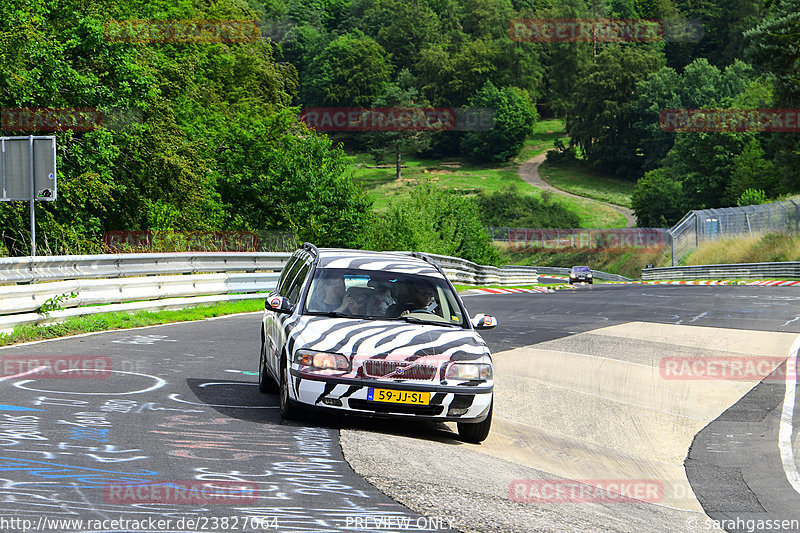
<point>293,288</point>
<point>291,274</point>
<point>284,279</point>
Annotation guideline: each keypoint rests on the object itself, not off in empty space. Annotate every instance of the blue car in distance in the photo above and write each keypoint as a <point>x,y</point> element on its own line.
<point>582,274</point>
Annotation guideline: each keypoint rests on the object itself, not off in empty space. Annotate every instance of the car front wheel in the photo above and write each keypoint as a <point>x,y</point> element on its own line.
<point>476,433</point>
<point>288,410</point>
<point>265,382</point>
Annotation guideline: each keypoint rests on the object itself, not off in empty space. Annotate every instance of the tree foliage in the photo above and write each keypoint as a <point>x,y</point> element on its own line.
<point>514,118</point>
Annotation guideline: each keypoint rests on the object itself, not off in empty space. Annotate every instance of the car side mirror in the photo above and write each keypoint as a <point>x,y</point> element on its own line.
<point>279,304</point>
<point>481,321</point>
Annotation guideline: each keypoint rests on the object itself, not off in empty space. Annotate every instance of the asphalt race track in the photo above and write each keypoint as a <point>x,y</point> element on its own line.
<point>584,393</point>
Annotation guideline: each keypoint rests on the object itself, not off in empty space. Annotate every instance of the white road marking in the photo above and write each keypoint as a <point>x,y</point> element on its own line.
<point>26,373</point>
<point>785,431</point>
<point>790,321</point>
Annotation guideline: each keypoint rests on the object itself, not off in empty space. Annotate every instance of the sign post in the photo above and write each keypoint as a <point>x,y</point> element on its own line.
<point>28,173</point>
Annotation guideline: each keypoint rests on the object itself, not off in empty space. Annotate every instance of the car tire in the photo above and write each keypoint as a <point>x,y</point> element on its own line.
<point>287,408</point>
<point>476,433</point>
<point>266,384</point>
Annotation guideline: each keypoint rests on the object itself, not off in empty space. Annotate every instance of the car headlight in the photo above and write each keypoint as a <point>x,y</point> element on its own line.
<point>589,275</point>
<point>470,371</point>
<point>322,360</point>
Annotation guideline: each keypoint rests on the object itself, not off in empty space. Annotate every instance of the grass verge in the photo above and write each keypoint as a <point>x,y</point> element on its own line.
<point>765,248</point>
<point>577,178</point>
<point>122,320</point>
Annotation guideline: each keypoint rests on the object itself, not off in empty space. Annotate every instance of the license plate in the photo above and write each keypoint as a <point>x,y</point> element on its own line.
<point>396,396</point>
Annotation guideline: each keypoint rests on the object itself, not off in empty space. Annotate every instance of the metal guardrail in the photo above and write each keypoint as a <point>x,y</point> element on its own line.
<point>462,271</point>
<point>597,274</point>
<point>126,282</point>
<point>50,268</point>
<point>730,271</point>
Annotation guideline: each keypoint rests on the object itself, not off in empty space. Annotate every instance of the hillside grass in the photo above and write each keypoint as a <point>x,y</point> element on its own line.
<point>544,135</point>
<point>470,178</point>
<point>765,248</point>
<point>576,177</point>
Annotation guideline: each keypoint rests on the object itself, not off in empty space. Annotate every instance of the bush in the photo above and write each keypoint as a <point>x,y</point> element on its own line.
<point>436,221</point>
<point>510,208</point>
<point>752,197</point>
<point>562,153</point>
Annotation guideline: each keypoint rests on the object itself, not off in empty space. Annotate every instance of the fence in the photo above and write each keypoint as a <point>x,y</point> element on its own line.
<point>107,283</point>
<point>552,240</point>
<point>709,224</point>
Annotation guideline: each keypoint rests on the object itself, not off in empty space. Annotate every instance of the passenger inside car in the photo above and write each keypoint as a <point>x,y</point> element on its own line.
<point>381,298</point>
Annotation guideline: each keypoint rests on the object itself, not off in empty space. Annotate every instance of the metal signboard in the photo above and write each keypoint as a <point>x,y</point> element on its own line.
<point>28,168</point>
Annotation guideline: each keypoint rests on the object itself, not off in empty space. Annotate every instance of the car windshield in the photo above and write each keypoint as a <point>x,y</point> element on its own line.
<point>581,269</point>
<point>376,295</point>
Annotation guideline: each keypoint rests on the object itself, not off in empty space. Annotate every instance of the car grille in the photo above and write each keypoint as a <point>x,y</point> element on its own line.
<point>424,410</point>
<point>380,368</point>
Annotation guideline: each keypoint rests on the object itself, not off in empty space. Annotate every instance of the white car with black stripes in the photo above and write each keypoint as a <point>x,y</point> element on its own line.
<point>378,334</point>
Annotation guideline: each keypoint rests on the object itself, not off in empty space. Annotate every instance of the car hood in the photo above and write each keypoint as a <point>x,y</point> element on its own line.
<point>370,338</point>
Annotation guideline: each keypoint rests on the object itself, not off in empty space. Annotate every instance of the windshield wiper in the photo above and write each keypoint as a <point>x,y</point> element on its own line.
<point>418,320</point>
<point>332,314</point>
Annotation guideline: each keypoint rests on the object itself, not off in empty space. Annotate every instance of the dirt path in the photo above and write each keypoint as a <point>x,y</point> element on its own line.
<point>529,171</point>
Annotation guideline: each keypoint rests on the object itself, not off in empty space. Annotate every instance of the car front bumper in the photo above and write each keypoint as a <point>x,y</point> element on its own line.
<point>457,403</point>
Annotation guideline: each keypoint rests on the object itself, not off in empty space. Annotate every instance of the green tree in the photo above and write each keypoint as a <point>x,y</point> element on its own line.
<point>751,171</point>
<point>401,94</point>
<point>705,162</point>
<point>604,110</point>
<point>773,47</point>
<point>351,71</point>
<point>515,116</point>
<point>278,175</point>
<point>401,27</point>
<point>657,200</point>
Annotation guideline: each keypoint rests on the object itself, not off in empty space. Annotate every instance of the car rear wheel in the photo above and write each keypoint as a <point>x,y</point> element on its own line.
<point>265,382</point>
<point>288,410</point>
<point>476,433</point>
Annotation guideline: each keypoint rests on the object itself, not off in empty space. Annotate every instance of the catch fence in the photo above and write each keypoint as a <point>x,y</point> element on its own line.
<point>703,225</point>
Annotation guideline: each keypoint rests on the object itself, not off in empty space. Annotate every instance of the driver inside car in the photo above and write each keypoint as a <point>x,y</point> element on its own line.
<point>422,299</point>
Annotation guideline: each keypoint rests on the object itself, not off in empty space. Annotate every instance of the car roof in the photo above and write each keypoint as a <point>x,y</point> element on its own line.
<point>368,260</point>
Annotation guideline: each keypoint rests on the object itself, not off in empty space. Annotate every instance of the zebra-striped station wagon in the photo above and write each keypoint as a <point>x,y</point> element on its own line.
<point>376,334</point>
